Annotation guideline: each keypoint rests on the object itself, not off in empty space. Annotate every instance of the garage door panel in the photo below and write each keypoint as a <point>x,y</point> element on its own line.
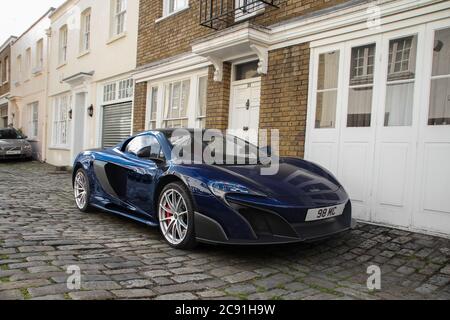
<point>116,124</point>
<point>393,174</point>
<point>324,154</point>
<point>437,183</point>
<point>354,168</point>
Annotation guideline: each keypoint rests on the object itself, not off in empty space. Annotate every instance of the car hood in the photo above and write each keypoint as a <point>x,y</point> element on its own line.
<point>13,142</point>
<point>295,179</point>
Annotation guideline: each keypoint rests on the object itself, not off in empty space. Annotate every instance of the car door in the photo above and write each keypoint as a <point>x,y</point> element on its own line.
<point>145,156</point>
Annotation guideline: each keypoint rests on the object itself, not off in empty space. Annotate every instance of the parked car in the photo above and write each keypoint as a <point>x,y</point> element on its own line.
<point>13,145</point>
<point>143,179</point>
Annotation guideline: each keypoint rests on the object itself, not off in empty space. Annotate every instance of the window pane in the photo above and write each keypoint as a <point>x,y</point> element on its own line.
<point>440,102</point>
<point>202,96</point>
<point>247,70</point>
<point>402,58</point>
<point>399,104</point>
<point>184,99</point>
<point>154,104</point>
<point>328,70</point>
<point>441,53</point>
<point>360,107</point>
<point>362,65</point>
<point>326,109</point>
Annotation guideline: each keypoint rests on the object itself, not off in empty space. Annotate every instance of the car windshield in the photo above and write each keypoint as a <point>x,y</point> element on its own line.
<point>10,134</point>
<point>220,149</point>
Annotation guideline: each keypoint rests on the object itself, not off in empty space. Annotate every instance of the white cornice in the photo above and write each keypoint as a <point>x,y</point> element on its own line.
<point>180,64</point>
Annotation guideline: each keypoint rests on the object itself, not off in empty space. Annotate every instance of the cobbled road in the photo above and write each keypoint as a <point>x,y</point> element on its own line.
<point>42,234</point>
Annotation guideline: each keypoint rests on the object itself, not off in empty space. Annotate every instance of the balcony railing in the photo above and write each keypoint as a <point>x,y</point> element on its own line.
<point>219,14</point>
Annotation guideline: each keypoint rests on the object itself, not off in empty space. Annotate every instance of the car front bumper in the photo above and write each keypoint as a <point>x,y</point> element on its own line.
<point>270,228</point>
<point>25,154</point>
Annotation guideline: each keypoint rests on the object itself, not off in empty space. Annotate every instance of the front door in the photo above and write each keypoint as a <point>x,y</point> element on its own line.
<point>245,102</point>
<point>79,118</point>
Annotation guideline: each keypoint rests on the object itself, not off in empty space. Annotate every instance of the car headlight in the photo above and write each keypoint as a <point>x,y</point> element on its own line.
<point>221,189</point>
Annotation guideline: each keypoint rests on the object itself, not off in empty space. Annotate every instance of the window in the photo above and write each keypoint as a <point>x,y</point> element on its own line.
<point>178,103</point>
<point>39,55</point>
<point>246,71</point>
<point>327,88</point>
<point>109,92</point>
<point>439,113</point>
<point>1,73</point>
<point>145,147</point>
<point>119,90</point>
<point>33,119</point>
<point>63,45</point>
<point>61,121</point>
<point>361,86</point>
<point>28,63</point>
<point>202,101</point>
<point>176,106</point>
<point>7,70</point>
<point>119,13</point>
<point>125,89</point>
<point>19,68</point>
<point>172,6</point>
<point>400,82</point>
<point>153,108</point>
<point>85,41</point>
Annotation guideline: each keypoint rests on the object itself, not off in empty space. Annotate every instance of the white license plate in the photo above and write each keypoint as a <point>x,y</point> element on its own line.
<point>13,153</point>
<point>325,213</point>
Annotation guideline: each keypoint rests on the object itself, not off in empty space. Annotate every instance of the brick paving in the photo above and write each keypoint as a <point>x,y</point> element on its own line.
<point>42,233</point>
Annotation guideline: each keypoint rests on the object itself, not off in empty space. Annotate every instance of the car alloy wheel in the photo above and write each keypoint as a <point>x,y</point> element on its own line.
<point>173,216</point>
<point>81,190</point>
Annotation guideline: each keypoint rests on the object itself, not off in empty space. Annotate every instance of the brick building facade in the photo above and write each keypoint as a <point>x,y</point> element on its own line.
<point>284,88</point>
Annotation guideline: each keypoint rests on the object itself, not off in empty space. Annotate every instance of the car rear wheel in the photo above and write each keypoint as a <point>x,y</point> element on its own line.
<point>176,216</point>
<point>82,191</point>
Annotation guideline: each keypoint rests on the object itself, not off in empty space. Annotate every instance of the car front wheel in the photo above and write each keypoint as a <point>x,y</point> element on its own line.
<point>82,191</point>
<point>176,216</point>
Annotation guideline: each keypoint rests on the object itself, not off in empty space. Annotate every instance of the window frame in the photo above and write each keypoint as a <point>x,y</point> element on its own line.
<point>63,45</point>
<point>61,117</point>
<point>192,115</point>
<point>7,70</point>
<point>116,16</point>
<point>167,12</point>
<point>85,31</point>
<point>33,123</point>
<point>28,61</point>
<point>39,61</point>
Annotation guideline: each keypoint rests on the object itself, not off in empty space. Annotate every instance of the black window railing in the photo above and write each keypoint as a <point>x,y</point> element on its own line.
<point>219,14</point>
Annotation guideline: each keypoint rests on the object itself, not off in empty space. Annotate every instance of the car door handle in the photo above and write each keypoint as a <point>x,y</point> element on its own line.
<point>247,105</point>
<point>246,128</point>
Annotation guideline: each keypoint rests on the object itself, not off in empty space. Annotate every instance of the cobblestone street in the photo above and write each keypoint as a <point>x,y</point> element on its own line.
<point>42,233</point>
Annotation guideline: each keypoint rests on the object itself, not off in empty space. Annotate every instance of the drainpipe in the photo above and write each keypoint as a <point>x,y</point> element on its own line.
<point>48,33</point>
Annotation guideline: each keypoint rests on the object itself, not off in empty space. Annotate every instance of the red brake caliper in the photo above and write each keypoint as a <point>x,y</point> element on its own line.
<point>168,212</point>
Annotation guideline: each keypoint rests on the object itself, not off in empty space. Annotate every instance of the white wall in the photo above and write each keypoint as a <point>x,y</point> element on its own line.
<point>108,58</point>
<point>29,87</point>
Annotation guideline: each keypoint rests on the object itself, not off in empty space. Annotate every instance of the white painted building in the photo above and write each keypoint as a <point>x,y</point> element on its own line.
<point>29,70</point>
<point>92,54</point>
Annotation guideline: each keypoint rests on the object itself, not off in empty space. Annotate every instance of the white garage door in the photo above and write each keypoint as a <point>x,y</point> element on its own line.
<point>116,124</point>
<point>379,118</point>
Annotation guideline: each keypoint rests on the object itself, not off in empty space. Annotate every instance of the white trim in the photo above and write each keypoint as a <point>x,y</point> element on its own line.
<point>183,64</point>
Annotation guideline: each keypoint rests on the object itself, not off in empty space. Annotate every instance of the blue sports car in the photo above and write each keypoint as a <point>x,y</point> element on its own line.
<point>220,202</point>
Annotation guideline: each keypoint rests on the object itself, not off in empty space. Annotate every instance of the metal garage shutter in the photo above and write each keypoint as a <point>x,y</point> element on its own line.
<point>116,124</point>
